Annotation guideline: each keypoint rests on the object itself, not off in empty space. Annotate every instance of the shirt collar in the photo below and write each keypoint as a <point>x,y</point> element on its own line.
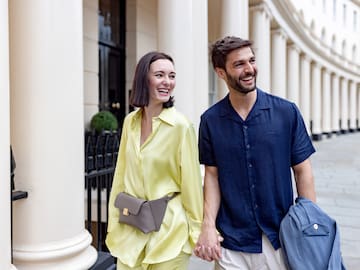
<point>261,103</point>
<point>167,115</point>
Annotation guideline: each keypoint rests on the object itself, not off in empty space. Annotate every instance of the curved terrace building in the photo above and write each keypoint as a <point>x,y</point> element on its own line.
<point>64,60</point>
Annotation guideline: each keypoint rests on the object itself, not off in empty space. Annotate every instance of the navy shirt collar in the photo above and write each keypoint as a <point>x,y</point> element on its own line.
<point>262,103</point>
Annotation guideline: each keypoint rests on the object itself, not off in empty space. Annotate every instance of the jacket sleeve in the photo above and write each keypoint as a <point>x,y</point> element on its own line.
<point>191,184</point>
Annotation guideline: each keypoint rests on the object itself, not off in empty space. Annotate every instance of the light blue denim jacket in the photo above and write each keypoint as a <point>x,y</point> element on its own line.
<point>310,239</point>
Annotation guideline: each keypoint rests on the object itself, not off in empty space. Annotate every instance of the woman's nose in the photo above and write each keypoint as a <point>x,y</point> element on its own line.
<point>166,80</point>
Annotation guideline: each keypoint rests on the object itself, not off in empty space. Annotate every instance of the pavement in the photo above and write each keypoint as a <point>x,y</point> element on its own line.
<point>336,168</point>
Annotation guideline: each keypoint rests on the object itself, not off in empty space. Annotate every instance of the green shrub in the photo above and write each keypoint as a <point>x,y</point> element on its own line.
<point>104,120</point>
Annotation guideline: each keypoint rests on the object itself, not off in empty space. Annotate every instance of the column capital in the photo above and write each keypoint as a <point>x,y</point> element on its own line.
<point>262,8</point>
<point>316,65</point>
<point>280,32</point>
<point>305,57</point>
<point>294,47</point>
<point>326,71</point>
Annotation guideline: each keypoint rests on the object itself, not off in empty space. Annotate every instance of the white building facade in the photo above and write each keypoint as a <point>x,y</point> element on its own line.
<point>307,51</point>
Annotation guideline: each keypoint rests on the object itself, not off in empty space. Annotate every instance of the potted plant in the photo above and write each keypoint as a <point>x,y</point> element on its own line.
<point>104,120</point>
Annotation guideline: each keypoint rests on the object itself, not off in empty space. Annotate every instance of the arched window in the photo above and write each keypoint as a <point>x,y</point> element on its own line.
<point>323,35</point>
<point>343,48</point>
<point>333,43</point>
<point>354,53</point>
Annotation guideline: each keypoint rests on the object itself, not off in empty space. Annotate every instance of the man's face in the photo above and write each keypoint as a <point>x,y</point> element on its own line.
<point>241,71</point>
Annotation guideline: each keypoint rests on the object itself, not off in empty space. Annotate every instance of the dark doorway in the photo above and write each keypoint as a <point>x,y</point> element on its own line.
<point>112,57</point>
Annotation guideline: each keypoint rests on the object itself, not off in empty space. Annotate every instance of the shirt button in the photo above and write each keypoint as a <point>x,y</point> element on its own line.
<point>252,186</point>
<point>250,165</point>
<point>248,146</point>
<point>255,206</point>
<point>245,127</point>
<point>316,226</point>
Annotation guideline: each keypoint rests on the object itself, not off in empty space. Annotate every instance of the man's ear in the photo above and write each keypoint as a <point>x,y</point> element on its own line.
<point>221,73</point>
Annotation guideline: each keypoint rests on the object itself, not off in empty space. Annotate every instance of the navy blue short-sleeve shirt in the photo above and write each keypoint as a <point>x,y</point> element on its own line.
<point>254,159</point>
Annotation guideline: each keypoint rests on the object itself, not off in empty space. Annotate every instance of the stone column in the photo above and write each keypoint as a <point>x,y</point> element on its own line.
<point>335,104</point>
<point>344,95</point>
<point>352,106</point>
<point>316,101</point>
<point>293,75</point>
<point>47,132</point>
<point>260,34</point>
<point>326,101</point>
<point>182,32</point>
<point>234,22</point>
<point>278,62</point>
<point>305,87</point>
<point>5,202</point>
<point>235,18</point>
<point>358,102</point>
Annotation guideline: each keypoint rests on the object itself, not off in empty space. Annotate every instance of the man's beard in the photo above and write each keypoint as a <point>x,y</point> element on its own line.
<point>235,83</point>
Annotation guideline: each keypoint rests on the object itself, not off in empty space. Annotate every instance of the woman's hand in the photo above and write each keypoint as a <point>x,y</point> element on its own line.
<point>208,246</point>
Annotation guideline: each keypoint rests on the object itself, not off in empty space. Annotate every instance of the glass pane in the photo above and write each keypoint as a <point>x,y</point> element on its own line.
<point>109,22</point>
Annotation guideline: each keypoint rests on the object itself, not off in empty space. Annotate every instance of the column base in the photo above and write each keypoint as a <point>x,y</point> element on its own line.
<point>316,137</point>
<point>70,254</point>
<point>327,135</point>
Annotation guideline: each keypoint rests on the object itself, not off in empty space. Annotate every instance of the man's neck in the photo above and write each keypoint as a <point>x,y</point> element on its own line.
<point>243,103</point>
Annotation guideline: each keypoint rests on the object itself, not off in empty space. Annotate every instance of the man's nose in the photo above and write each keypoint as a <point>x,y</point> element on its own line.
<point>248,67</point>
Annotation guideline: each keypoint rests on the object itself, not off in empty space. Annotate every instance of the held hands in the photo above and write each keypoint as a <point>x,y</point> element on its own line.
<point>208,246</point>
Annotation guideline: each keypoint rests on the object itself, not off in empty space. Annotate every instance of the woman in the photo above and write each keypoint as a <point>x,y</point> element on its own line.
<point>157,157</point>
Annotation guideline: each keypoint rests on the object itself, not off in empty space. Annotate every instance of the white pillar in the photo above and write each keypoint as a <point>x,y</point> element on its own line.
<point>200,87</point>
<point>235,18</point>
<point>352,106</point>
<point>326,101</point>
<point>335,104</point>
<point>344,105</point>
<point>305,87</point>
<point>260,34</point>
<point>293,75</point>
<point>278,62</point>
<point>358,106</point>
<point>184,37</point>
<point>316,101</point>
<point>5,203</point>
<point>47,135</point>
<point>234,22</point>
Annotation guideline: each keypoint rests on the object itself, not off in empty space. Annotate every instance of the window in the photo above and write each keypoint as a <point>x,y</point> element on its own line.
<point>355,20</point>
<point>344,14</point>
<point>213,86</point>
<point>334,9</point>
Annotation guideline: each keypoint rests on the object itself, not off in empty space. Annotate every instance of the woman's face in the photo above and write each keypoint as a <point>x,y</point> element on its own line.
<point>161,78</point>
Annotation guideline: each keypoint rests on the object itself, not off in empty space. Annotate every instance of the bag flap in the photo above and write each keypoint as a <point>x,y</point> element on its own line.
<point>126,201</point>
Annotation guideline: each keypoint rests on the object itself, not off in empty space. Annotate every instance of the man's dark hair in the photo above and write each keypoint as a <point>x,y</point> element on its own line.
<point>139,96</point>
<point>222,47</point>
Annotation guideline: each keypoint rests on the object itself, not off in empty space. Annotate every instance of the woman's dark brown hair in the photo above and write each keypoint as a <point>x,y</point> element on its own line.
<point>139,96</point>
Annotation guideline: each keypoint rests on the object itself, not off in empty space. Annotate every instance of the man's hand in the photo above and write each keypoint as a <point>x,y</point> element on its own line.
<point>208,246</point>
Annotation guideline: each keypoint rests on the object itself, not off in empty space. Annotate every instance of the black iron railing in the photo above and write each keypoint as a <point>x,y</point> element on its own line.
<point>101,151</point>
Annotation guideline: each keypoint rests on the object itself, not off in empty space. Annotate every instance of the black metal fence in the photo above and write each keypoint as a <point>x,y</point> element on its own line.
<point>101,150</point>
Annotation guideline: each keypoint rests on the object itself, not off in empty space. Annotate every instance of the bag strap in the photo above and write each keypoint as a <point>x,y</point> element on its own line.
<point>168,198</point>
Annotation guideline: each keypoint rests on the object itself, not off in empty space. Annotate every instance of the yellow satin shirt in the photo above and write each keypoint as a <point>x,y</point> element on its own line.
<point>167,162</point>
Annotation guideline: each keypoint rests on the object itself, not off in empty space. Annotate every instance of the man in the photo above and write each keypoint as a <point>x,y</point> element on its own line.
<point>249,142</point>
